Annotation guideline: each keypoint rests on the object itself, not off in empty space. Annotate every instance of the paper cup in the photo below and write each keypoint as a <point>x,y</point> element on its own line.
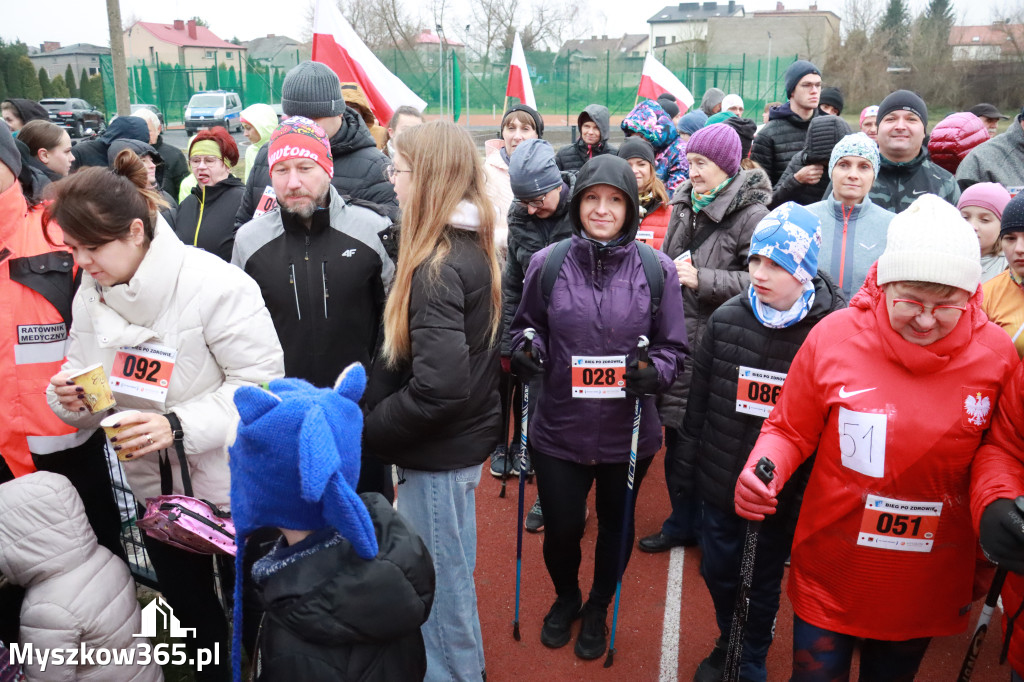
<point>98,395</point>
<point>112,431</point>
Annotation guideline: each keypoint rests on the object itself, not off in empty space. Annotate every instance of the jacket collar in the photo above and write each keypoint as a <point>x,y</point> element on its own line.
<point>911,165</point>
<point>836,207</point>
<point>718,208</point>
<point>323,218</point>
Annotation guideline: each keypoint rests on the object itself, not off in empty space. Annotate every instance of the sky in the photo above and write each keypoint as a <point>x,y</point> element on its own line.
<point>85,21</point>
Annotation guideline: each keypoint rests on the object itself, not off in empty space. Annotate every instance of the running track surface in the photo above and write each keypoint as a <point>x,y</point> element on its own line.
<point>644,649</point>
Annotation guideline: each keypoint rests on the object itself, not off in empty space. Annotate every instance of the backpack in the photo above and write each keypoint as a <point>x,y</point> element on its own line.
<point>652,270</point>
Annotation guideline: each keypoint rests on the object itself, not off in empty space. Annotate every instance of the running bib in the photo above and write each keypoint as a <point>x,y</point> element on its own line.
<point>143,371</point>
<point>899,525</point>
<point>758,390</point>
<point>266,203</point>
<point>645,236</point>
<point>598,376</point>
<point>862,441</point>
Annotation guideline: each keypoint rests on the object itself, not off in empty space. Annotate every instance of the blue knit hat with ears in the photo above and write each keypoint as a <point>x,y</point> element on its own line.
<point>295,465</point>
<point>791,236</point>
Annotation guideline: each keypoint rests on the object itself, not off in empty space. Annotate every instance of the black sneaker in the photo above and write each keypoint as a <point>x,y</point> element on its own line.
<point>593,639</point>
<point>557,628</point>
<point>500,464</point>
<point>534,518</point>
<point>712,668</point>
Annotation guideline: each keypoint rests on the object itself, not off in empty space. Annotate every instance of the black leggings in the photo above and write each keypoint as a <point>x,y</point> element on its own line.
<point>563,487</point>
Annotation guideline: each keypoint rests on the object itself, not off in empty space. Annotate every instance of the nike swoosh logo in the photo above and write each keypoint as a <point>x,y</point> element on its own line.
<point>843,393</point>
<point>919,191</point>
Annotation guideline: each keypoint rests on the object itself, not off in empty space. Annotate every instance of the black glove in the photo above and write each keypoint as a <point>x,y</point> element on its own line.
<point>525,367</point>
<point>641,382</point>
<point>1002,534</point>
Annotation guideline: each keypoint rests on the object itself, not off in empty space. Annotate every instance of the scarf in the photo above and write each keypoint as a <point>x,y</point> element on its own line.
<point>504,155</point>
<point>779,319</point>
<point>702,200</point>
<point>1015,279</point>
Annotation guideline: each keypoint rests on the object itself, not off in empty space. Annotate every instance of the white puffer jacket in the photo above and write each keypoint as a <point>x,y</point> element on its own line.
<point>78,594</point>
<point>213,315</point>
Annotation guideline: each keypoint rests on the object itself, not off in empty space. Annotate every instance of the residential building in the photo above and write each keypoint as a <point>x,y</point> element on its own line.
<point>687,22</point>
<point>997,41</point>
<point>183,42</point>
<point>55,59</point>
<point>278,51</point>
<point>808,33</point>
<point>625,47</point>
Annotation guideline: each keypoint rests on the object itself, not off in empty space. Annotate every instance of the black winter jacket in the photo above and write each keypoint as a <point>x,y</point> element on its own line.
<point>440,411</point>
<point>93,152</point>
<point>779,141</point>
<point>169,212</point>
<point>823,133</point>
<point>358,170</point>
<point>572,156</point>
<point>528,234</point>
<point>333,617</point>
<point>325,288</point>
<point>206,217</point>
<point>716,439</point>
<point>175,166</point>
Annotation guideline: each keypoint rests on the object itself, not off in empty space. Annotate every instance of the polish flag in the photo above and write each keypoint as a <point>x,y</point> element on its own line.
<point>657,79</point>
<point>336,44</point>
<point>519,76</point>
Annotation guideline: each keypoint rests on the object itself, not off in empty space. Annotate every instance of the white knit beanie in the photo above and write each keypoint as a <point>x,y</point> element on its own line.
<point>930,242</point>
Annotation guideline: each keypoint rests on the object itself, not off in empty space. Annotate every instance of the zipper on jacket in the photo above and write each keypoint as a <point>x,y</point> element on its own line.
<point>842,255</point>
<point>323,276</point>
<point>295,288</point>
<point>202,205</point>
<point>307,247</point>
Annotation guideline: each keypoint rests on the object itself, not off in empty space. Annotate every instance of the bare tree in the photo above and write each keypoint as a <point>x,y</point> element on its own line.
<point>860,16</point>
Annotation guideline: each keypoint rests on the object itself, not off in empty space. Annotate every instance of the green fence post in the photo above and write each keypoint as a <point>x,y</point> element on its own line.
<point>607,74</point>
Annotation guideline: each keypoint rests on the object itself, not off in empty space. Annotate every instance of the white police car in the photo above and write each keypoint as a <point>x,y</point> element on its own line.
<point>213,108</point>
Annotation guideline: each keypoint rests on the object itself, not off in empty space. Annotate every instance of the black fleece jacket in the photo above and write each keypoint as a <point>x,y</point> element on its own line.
<point>823,134</point>
<point>206,216</point>
<point>779,141</point>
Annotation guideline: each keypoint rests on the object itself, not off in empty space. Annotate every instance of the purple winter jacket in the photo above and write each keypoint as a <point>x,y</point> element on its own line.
<point>599,305</point>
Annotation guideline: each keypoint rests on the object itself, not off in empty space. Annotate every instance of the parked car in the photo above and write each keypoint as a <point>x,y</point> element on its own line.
<point>149,107</point>
<point>74,115</point>
<point>213,108</point>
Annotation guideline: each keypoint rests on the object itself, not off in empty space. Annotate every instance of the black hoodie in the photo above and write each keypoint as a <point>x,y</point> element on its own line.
<point>142,149</point>
<point>206,216</point>
<point>93,152</point>
<point>823,134</point>
<point>572,156</point>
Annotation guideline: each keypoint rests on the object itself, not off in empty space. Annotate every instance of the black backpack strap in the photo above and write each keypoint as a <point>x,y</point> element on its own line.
<point>552,266</point>
<point>179,447</point>
<point>655,275</point>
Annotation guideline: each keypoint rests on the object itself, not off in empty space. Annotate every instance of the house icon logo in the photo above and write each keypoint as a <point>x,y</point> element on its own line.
<point>157,616</point>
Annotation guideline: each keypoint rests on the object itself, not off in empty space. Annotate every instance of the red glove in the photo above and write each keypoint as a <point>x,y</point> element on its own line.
<point>506,364</point>
<point>754,499</point>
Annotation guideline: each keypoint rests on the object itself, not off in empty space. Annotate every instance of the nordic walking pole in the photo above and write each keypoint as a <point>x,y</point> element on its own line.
<point>981,629</point>
<point>765,470</point>
<point>529,333</point>
<point>642,360</point>
<point>504,433</point>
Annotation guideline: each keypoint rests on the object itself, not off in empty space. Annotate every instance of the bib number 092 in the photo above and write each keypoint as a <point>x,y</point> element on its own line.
<point>141,368</point>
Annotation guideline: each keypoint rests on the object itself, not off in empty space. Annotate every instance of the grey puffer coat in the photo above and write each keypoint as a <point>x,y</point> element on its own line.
<point>721,262</point>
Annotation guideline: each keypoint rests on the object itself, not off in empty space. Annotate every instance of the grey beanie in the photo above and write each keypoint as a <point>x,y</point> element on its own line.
<point>532,170</point>
<point>795,73</point>
<point>712,98</point>
<point>9,155</point>
<point>312,90</point>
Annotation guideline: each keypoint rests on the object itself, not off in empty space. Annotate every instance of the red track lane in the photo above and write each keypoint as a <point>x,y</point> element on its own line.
<point>641,614</point>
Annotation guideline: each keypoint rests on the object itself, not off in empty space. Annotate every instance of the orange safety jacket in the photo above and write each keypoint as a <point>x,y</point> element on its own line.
<point>37,284</point>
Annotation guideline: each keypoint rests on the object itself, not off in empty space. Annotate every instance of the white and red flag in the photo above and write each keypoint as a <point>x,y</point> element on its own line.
<point>656,79</point>
<point>519,76</point>
<point>336,44</point>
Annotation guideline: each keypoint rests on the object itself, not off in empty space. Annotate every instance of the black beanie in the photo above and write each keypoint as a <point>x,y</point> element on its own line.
<point>833,96</point>
<point>1013,216</point>
<point>636,147</point>
<point>538,122</point>
<point>668,102</point>
<point>903,100</point>
<point>746,129</point>
<point>796,71</point>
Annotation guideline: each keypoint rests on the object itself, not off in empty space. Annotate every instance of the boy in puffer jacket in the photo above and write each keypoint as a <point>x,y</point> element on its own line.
<point>652,123</point>
<point>349,585</point>
<point>759,332</point>
<point>79,596</point>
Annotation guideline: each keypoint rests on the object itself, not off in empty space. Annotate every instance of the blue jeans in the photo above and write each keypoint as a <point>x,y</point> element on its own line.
<point>441,507</point>
<point>723,537</point>
<point>821,655</point>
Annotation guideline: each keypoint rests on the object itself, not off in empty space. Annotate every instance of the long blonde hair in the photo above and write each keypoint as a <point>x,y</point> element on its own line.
<point>446,169</point>
<point>654,186</point>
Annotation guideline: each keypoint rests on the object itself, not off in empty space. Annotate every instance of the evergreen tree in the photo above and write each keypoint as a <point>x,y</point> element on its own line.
<point>83,78</point>
<point>895,27</point>
<point>58,88</point>
<point>145,85</point>
<point>941,12</point>
<point>3,86</point>
<point>69,81</point>
<point>44,83</point>
<point>28,79</point>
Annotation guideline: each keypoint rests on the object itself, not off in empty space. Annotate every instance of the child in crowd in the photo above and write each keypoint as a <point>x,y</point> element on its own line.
<point>982,206</point>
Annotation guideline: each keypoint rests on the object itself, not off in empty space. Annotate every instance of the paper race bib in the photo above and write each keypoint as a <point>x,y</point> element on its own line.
<point>143,371</point>
<point>266,203</point>
<point>684,257</point>
<point>645,236</point>
<point>598,376</point>
<point>862,441</point>
<point>899,525</point>
<point>758,390</point>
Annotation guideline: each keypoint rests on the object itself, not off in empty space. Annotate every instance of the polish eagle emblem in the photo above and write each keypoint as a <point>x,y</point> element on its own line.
<point>977,408</point>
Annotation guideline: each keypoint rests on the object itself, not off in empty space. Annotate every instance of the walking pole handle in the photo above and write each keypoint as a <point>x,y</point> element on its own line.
<point>765,470</point>
<point>529,333</point>
<point>643,358</point>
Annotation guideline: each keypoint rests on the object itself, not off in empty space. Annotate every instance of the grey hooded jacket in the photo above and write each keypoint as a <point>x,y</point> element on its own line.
<point>572,156</point>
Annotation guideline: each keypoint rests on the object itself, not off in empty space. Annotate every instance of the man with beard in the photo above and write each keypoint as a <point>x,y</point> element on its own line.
<point>320,264</point>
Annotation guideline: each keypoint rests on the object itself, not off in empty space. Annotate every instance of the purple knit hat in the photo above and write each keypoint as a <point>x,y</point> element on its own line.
<point>719,143</point>
<point>990,195</point>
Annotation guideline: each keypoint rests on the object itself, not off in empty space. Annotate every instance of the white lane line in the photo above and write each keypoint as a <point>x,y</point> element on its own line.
<point>669,671</point>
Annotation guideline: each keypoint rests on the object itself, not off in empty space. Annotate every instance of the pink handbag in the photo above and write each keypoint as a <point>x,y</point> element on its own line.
<point>184,521</point>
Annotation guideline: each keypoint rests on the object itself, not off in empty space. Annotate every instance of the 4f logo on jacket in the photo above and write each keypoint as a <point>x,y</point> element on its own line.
<point>348,253</point>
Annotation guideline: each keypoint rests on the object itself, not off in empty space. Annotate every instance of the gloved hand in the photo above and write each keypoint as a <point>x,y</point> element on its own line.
<point>506,364</point>
<point>1002,534</point>
<point>525,367</point>
<point>753,498</point>
<point>641,382</point>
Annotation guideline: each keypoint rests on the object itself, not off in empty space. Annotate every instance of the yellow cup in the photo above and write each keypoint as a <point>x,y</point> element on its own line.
<point>98,395</point>
<point>112,431</point>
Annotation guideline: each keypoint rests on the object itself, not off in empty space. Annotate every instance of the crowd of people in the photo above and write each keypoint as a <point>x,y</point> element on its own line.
<point>330,344</point>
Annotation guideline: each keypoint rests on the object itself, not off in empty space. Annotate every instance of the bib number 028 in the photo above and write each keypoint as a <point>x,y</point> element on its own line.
<point>599,376</point>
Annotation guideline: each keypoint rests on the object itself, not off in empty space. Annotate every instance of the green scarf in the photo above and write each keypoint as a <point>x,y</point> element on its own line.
<point>702,200</point>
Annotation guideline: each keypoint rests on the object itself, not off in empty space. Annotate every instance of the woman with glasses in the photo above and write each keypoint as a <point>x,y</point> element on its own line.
<point>206,217</point>
<point>893,394</point>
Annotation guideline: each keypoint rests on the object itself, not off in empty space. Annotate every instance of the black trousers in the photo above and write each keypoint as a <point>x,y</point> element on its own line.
<point>563,487</point>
